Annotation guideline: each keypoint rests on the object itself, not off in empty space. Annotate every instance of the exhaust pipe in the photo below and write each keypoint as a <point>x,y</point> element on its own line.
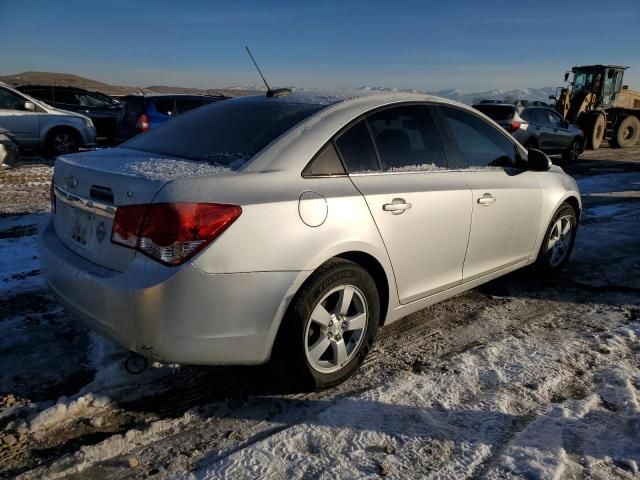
<point>135,364</point>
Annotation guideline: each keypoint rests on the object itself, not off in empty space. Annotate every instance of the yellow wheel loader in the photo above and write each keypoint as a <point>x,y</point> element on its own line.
<point>597,102</point>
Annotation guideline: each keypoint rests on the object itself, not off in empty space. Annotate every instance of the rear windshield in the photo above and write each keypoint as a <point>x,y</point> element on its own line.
<point>226,133</point>
<point>496,112</point>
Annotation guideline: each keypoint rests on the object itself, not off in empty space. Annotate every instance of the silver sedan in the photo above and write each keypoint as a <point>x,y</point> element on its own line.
<point>296,225</point>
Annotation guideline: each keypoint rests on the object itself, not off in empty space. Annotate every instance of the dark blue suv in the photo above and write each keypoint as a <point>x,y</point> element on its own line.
<point>143,112</point>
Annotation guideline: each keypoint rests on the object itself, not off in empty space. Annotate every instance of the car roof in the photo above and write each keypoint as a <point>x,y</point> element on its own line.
<point>341,107</point>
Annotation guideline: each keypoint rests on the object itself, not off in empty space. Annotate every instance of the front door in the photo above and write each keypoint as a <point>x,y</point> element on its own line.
<point>421,206</point>
<point>506,198</point>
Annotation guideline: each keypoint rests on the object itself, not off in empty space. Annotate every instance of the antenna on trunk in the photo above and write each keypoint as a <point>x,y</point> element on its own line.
<point>278,92</point>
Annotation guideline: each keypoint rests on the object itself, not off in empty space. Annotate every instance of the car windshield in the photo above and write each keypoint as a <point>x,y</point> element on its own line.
<point>228,132</point>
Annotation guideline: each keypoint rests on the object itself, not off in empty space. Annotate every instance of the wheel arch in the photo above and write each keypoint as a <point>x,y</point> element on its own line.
<point>575,204</point>
<point>377,272</point>
<point>46,134</point>
<point>384,280</point>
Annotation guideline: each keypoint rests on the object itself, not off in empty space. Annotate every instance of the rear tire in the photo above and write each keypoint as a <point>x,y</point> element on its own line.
<point>558,241</point>
<point>573,152</point>
<point>62,140</point>
<point>330,325</point>
<point>627,132</point>
<point>594,130</point>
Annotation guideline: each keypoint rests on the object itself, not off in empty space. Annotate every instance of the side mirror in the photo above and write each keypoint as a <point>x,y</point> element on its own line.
<point>538,161</point>
<point>566,76</point>
<point>29,106</point>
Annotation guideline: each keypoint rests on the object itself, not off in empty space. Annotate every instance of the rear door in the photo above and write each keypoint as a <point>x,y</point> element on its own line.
<point>24,124</point>
<point>506,198</point>
<point>420,204</point>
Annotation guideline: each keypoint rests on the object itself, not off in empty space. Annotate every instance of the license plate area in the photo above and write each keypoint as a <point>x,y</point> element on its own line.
<point>82,231</point>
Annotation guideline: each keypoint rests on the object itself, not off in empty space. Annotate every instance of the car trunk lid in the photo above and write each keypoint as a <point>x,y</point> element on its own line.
<point>90,186</point>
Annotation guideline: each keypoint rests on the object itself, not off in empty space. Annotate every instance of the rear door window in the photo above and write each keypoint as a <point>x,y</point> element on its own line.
<point>539,116</point>
<point>357,151</point>
<point>65,96</point>
<point>480,144</point>
<point>553,118</point>
<point>407,139</point>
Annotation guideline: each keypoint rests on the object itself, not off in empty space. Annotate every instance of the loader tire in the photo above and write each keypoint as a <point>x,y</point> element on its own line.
<point>594,131</point>
<point>627,132</point>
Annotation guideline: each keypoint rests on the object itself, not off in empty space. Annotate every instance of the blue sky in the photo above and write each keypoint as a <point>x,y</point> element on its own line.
<point>463,44</point>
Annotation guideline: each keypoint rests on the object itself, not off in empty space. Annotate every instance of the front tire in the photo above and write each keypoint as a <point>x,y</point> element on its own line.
<point>331,324</point>
<point>61,141</point>
<point>594,130</point>
<point>573,152</point>
<point>558,240</point>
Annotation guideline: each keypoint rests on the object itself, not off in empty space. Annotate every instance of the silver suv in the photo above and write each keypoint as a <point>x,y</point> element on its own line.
<point>36,124</point>
<point>537,126</point>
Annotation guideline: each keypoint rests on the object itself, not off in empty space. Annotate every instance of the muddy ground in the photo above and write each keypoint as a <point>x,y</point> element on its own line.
<point>479,377</point>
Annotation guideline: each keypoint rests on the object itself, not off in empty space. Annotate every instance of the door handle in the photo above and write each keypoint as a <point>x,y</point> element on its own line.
<point>487,199</point>
<point>397,206</point>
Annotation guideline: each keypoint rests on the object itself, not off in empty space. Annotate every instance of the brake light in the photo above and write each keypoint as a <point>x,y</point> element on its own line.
<point>514,126</point>
<point>52,197</point>
<point>171,233</point>
<point>142,124</point>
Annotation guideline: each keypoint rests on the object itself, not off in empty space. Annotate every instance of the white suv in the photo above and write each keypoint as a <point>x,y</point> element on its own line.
<point>35,124</point>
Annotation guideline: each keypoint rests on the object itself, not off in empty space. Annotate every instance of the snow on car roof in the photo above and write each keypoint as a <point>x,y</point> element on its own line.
<point>331,97</point>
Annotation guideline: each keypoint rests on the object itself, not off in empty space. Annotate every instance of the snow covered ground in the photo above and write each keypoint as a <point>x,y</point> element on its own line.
<point>521,378</point>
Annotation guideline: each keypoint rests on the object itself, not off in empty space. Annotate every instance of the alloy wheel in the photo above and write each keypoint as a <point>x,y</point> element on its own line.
<point>559,242</point>
<point>336,328</point>
<point>64,142</point>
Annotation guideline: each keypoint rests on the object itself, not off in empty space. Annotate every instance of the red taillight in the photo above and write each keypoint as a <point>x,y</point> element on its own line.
<point>514,126</point>
<point>52,197</point>
<point>172,232</point>
<point>142,124</point>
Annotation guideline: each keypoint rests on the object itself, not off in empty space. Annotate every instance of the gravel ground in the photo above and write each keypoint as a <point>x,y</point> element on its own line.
<point>519,378</point>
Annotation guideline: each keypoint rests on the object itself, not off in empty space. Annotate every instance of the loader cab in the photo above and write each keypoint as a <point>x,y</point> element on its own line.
<point>602,81</point>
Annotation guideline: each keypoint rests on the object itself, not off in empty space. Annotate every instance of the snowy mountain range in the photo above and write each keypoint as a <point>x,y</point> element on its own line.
<point>541,94</point>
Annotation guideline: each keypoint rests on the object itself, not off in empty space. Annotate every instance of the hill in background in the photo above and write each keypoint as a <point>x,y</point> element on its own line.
<point>70,80</point>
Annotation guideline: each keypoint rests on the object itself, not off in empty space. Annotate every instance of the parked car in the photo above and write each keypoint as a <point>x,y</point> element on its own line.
<point>8,149</point>
<point>35,124</point>
<point>144,112</point>
<point>100,108</point>
<point>537,127</point>
<point>296,225</point>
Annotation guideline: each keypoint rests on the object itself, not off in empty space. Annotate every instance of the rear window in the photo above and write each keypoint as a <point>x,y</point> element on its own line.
<point>185,104</point>
<point>496,112</point>
<point>226,133</point>
<point>165,106</point>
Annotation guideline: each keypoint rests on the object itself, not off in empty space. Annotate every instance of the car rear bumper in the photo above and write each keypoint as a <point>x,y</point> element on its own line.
<point>180,315</point>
